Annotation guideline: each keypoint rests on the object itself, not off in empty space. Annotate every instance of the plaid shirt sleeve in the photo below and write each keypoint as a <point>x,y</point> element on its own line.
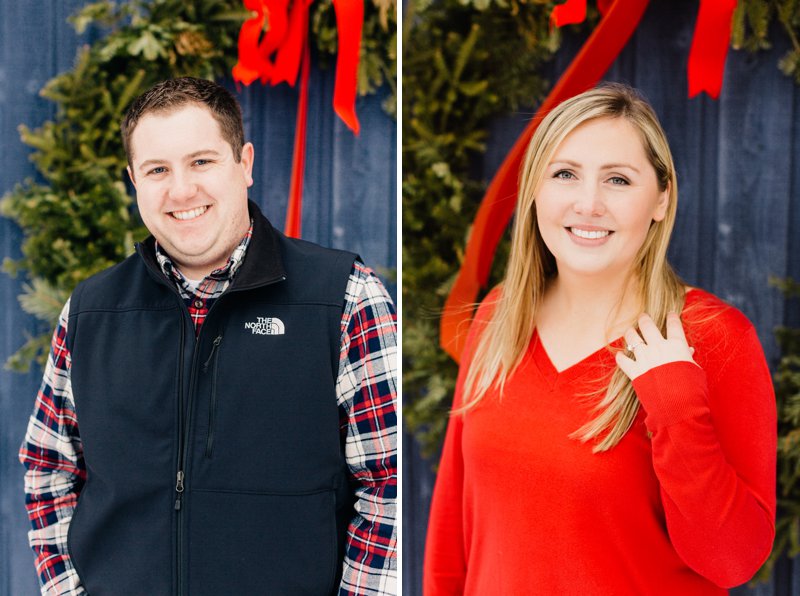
<point>366,393</point>
<point>55,473</point>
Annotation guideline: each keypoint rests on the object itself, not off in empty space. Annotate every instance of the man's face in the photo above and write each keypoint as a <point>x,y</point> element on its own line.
<point>191,192</point>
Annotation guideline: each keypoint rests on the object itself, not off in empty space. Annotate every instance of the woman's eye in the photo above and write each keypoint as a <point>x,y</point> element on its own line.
<point>564,175</point>
<point>618,181</point>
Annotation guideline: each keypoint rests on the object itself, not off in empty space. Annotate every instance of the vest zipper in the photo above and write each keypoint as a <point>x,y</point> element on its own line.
<point>212,408</point>
<point>179,490</point>
<point>180,473</point>
<point>183,431</point>
<point>181,425</point>
<point>214,346</point>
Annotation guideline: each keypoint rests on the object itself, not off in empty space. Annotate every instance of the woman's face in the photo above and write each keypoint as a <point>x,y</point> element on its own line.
<point>598,198</point>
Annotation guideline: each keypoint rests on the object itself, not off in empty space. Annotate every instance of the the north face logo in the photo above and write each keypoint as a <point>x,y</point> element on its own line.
<point>266,326</point>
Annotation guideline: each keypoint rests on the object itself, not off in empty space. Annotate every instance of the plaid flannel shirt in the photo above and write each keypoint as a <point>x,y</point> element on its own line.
<point>366,394</point>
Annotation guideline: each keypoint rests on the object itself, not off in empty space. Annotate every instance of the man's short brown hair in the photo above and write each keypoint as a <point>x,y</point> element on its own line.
<point>175,93</point>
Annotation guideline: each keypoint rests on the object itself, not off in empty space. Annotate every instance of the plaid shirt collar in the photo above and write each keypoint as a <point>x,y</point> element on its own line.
<point>216,282</point>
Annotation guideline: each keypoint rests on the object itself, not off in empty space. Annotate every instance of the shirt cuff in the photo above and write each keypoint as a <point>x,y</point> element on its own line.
<point>672,393</point>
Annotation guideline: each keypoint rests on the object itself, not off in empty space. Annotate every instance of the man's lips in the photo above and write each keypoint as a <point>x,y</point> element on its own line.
<point>188,214</point>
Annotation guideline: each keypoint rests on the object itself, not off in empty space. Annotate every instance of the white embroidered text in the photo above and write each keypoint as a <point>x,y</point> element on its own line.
<point>266,326</point>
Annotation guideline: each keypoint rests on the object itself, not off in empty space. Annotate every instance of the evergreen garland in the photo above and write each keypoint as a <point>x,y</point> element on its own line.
<point>752,29</point>
<point>466,61</point>
<point>81,219</point>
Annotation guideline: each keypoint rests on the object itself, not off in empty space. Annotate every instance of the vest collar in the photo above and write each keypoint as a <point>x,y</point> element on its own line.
<point>263,262</point>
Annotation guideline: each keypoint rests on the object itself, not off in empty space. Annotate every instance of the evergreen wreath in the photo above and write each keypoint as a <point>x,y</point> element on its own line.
<point>80,220</point>
<point>465,61</point>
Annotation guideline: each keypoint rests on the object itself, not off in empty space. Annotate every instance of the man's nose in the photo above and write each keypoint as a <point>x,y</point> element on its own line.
<point>182,186</point>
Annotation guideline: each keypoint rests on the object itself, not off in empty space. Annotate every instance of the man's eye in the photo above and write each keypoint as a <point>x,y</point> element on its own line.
<point>156,171</point>
<point>201,162</point>
<point>564,175</point>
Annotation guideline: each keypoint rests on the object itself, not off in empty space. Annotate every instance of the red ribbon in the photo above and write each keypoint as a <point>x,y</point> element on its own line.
<point>604,5</point>
<point>712,37</point>
<point>272,45</point>
<point>349,20</point>
<point>494,213</point>
<point>255,57</point>
<point>294,210</point>
<point>573,12</point>
<point>569,13</point>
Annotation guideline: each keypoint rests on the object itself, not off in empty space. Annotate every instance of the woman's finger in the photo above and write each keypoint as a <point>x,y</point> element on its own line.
<point>632,340</point>
<point>628,365</point>
<point>650,333</point>
<point>675,327</point>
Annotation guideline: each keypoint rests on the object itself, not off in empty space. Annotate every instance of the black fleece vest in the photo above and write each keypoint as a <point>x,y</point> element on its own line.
<point>246,414</point>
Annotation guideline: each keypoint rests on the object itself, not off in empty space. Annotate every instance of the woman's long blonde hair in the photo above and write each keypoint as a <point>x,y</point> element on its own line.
<point>506,336</point>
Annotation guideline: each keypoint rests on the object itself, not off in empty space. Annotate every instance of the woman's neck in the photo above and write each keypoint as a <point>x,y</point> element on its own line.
<point>592,303</point>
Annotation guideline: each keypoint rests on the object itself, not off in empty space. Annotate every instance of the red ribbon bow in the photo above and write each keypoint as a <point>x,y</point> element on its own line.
<point>271,46</point>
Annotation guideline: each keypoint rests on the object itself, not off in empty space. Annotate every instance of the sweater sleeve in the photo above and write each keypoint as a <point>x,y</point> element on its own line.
<point>714,445</point>
<point>445,566</point>
<point>445,559</point>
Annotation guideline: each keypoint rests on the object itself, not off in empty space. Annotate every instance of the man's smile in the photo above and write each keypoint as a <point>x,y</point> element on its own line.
<point>189,213</point>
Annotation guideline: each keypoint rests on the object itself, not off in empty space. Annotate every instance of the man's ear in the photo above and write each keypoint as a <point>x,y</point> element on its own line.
<point>130,175</point>
<point>248,156</point>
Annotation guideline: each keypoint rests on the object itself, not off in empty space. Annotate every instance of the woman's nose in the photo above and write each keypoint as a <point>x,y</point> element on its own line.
<point>589,201</point>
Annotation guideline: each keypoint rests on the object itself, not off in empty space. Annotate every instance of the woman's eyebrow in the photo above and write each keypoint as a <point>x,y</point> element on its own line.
<point>566,162</point>
<point>608,166</point>
<point>612,166</point>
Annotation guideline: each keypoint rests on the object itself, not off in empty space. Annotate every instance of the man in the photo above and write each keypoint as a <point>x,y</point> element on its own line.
<point>234,391</point>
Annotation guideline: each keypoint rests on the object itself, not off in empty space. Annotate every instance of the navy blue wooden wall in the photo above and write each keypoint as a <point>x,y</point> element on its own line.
<point>349,202</point>
<point>739,206</point>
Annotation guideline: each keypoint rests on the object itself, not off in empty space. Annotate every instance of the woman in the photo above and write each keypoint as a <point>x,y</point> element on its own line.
<point>600,443</point>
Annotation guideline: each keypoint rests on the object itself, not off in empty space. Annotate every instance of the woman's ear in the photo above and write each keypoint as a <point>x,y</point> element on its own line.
<point>661,206</point>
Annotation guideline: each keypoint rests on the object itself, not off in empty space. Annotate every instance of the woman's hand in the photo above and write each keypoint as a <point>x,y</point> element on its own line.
<point>650,349</point>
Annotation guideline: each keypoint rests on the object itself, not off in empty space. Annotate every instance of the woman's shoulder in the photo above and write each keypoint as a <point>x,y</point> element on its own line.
<point>702,308</point>
<point>716,328</point>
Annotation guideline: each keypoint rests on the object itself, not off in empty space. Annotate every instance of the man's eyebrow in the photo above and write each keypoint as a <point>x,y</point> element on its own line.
<point>150,162</point>
<point>203,152</point>
<point>192,155</point>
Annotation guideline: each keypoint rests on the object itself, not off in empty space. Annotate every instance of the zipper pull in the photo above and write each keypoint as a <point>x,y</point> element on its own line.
<point>214,346</point>
<point>179,490</point>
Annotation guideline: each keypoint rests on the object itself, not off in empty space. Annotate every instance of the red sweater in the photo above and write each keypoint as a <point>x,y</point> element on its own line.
<point>684,504</point>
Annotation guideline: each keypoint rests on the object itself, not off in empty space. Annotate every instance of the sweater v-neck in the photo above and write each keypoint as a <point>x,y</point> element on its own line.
<point>601,357</point>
